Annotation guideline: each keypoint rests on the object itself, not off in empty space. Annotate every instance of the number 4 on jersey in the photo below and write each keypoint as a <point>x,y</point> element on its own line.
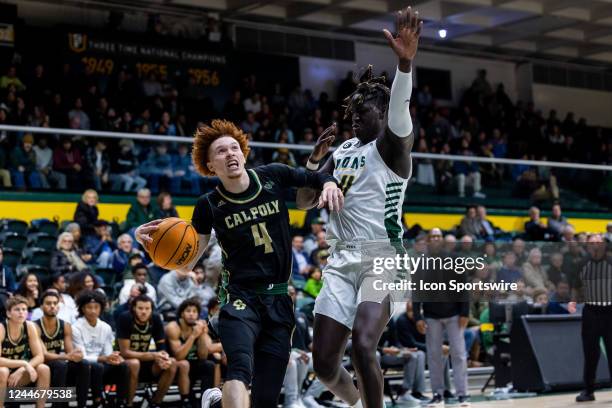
<point>346,181</point>
<point>261,237</point>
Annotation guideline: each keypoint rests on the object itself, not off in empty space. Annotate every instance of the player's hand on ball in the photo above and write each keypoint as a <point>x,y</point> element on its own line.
<point>408,28</point>
<point>143,232</point>
<point>331,197</point>
<point>323,144</point>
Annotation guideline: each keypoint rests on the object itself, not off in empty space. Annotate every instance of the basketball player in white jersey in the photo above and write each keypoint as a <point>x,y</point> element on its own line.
<point>373,169</point>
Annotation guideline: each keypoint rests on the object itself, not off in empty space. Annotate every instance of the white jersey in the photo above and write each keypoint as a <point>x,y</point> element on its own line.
<point>373,195</point>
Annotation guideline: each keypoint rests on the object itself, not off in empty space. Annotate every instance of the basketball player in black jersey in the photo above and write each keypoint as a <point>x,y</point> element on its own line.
<point>65,362</point>
<point>135,330</point>
<point>251,221</point>
<point>22,358</point>
<point>188,341</point>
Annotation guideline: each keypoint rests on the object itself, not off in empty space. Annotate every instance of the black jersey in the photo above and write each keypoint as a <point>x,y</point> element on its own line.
<point>54,342</point>
<point>140,336</point>
<point>253,227</point>
<point>18,349</point>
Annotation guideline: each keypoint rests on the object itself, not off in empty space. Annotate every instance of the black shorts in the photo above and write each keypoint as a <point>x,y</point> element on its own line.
<point>146,371</point>
<point>253,325</point>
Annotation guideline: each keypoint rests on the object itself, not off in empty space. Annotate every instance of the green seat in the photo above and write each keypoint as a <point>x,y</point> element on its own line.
<point>11,257</point>
<point>13,240</point>
<point>44,241</point>
<point>18,226</point>
<point>37,256</point>
<point>108,275</point>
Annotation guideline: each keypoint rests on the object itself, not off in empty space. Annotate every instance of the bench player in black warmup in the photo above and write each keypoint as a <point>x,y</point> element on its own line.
<point>188,341</point>
<point>251,221</point>
<point>135,330</point>
<point>22,358</point>
<point>65,362</point>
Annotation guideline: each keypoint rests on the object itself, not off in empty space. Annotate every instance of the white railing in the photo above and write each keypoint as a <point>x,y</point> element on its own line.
<point>269,145</point>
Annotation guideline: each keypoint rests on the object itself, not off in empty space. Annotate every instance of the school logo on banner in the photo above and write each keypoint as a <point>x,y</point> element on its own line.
<point>77,42</point>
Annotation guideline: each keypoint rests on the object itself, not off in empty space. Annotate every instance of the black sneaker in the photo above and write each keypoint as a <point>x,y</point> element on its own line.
<point>420,396</point>
<point>585,397</point>
<point>448,395</point>
<point>464,401</point>
<point>435,401</point>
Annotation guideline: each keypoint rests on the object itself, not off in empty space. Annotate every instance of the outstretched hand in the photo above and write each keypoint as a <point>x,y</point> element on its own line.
<point>408,28</point>
<point>323,144</point>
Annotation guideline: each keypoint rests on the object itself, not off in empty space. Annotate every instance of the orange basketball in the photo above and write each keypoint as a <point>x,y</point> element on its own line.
<point>174,245</point>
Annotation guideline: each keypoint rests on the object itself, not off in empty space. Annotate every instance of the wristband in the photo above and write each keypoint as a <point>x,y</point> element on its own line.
<point>312,166</point>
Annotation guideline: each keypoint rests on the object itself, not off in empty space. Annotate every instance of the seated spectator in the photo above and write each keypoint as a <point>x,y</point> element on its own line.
<point>23,165</point>
<point>509,272</point>
<point>470,224</point>
<point>252,104</point>
<point>86,214</point>
<point>562,293</point>
<point>66,259</point>
<point>11,79</point>
<point>67,310</point>
<point>121,255</point>
<point>140,274</point>
<point>142,211</point>
<point>101,245</point>
<point>157,167</point>
<point>535,230</point>
<point>135,331</point>
<point>310,241</point>
<point>97,165</point>
<point>608,234</point>
<point>78,115</point>
<point>173,288</point>
<point>164,203</point>
<point>164,123</point>
<point>184,172</point>
<point>557,222</point>
<point>314,283</point>
<point>124,169</point>
<point>7,279</point>
<point>250,125</point>
<point>22,366</point>
<point>206,291</point>
<point>322,245</point>
<point>467,172</point>
<point>82,282</point>
<point>412,360</point>
<point>300,263</point>
<point>95,339</point>
<point>78,245</point>
<point>488,229</point>
<point>68,161</point>
<point>188,341</point>
<point>31,289</point>
<point>284,156</point>
<point>65,362</point>
<point>534,274</point>
<point>555,271</point>
<point>44,165</point>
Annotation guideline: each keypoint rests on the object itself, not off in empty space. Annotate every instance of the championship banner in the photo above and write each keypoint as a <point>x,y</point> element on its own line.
<point>177,60</point>
<point>7,35</point>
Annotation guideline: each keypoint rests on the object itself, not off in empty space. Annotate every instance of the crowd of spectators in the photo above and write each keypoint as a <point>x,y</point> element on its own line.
<point>92,255</point>
<point>486,123</point>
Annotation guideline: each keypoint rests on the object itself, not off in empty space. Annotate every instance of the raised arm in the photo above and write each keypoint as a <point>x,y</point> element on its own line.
<point>308,197</point>
<point>396,142</point>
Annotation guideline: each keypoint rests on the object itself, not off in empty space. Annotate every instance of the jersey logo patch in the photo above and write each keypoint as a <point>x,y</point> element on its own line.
<point>269,185</point>
<point>239,304</point>
<point>346,145</point>
<point>220,203</point>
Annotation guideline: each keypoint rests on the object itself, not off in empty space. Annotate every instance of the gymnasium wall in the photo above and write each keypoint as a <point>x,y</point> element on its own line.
<point>320,74</point>
<point>595,106</point>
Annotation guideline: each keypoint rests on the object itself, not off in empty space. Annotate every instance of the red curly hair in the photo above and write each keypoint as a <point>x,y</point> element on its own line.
<point>205,135</point>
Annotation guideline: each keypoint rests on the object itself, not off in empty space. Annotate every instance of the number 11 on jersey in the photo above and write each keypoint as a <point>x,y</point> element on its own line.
<point>261,237</point>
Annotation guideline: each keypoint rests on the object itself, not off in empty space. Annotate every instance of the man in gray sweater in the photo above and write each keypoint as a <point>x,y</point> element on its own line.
<point>173,288</point>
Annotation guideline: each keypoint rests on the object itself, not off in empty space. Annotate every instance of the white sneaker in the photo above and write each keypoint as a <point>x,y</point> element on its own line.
<point>407,397</point>
<point>210,396</point>
<point>479,195</point>
<point>310,402</point>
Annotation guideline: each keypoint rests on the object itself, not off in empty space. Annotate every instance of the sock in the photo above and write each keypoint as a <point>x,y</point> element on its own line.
<point>357,404</point>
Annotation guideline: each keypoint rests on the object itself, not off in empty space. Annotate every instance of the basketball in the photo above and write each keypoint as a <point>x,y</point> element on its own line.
<point>174,245</point>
